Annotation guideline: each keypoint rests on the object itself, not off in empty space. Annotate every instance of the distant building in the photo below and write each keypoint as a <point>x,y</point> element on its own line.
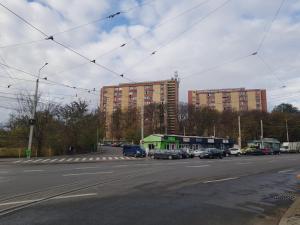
<point>238,99</point>
<point>136,95</point>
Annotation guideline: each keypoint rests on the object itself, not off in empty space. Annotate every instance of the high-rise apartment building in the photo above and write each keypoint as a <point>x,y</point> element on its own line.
<point>137,95</point>
<point>238,99</point>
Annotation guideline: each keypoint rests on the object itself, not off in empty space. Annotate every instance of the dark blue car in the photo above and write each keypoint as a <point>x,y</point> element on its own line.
<point>133,150</point>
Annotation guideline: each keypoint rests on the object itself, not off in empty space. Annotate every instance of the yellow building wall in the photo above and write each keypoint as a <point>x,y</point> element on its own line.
<point>156,93</point>
<point>140,96</point>
<point>110,100</point>
<point>203,99</point>
<point>235,101</point>
<point>125,98</point>
<point>218,102</point>
<point>251,100</point>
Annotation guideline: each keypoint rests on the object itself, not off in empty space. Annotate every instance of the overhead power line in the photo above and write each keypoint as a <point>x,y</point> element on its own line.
<point>48,37</point>
<point>269,28</point>
<point>168,42</point>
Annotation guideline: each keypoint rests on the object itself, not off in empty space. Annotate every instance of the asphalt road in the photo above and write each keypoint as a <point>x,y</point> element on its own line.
<point>237,190</point>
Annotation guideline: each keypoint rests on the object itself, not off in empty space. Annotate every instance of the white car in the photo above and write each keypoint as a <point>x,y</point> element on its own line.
<point>235,151</point>
<point>198,152</point>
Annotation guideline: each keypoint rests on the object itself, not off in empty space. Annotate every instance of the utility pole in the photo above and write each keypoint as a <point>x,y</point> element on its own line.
<point>240,133</point>
<point>32,120</point>
<point>261,133</point>
<point>184,131</point>
<point>142,121</point>
<point>287,131</point>
<point>214,130</point>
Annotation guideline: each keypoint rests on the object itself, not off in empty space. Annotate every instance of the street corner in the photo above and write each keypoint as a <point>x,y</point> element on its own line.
<point>292,215</point>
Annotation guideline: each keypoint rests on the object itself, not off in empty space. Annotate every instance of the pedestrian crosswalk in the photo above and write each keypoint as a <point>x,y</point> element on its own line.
<point>73,159</point>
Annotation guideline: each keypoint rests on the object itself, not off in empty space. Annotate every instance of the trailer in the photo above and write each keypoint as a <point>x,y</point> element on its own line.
<point>290,147</point>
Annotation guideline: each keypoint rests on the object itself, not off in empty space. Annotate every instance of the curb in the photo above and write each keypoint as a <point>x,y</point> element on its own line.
<point>292,215</point>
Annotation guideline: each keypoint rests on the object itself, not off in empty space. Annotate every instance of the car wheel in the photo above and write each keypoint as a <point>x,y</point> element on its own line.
<point>221,157</point>
<point>170,157</point>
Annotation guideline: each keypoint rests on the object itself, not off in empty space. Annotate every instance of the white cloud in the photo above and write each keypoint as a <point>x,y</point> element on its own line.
<point>229,33</point>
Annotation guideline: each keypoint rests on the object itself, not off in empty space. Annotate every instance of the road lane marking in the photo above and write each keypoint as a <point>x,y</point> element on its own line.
<point>53,160</point>
<point>110,158</point>
<point>91,158</point>
<point>37,160</point>
<point>63,159</point>
<point>83,159</point>
<point>103,158</point>
<point>120,165</point>
<point>40,199</point>
<point>74,196</point>
<point>27,161</point>
<point>285,171</point>
<point>29,171</point>
<point>97,158</point>
<point>70,159</point>
<point>116,157</point>
<point>18,161</point>
<point>198,166</point>
<point>122,157</point>
<point>83,168</point>
<point>220,180</point>
<point>81,174</point>
<point>244,163</point>
<point>45,160</point>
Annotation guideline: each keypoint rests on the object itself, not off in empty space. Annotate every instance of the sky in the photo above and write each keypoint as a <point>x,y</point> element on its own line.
<point>208,42</point>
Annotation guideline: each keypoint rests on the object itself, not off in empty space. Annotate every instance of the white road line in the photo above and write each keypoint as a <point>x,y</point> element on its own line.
<point>285,171</point>
<point>91,158</point>
<point>244,163</point>
<point>20,202</point>
<point>83,159</point>
<point>18,161</point>
<point>197,166</point>
<point>116,158</point>
<point>53,160</point>
<point>127,157</point>
<point>45,160</point>
<point>74,196</point>
<point>220,180</point>
<point>40,199</point>
<point>63,159</point>
<point>121,166</point>
<point>110,158</point>
<point>29,171</point>
<point>83,168</point>
<point>80,174</point>
<point>69,159</point>
<point>38,160</point>
<point>97,158</point>
<point>27,161</point>
<point>122,157</point>
<point>103,158</point>
<point>77,159</point>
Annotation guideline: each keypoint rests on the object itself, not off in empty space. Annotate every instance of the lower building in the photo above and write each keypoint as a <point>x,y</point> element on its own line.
<point>237,99</point>
<point>160,141</point>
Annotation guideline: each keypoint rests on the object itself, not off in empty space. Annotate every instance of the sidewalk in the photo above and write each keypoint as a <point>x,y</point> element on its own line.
<point>292,215</point>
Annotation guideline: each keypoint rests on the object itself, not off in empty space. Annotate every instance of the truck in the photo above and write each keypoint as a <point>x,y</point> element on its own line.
<point>290,147</point>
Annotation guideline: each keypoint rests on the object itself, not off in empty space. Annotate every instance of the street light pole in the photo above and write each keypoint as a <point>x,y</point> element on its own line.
<point>240,133</point>
<point>32,121</point>
<point>287,131</point>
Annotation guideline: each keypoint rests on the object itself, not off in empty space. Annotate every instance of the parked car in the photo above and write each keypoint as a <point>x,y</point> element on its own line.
<point>235,151</point>
<point>211,153</point>
<point>197,152</point>
<point>186,153</point>
<point>167,154</point>
<point>133,150</point>
<point>226,152</point>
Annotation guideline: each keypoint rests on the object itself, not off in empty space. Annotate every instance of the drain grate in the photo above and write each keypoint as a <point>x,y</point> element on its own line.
<point>285,196</point>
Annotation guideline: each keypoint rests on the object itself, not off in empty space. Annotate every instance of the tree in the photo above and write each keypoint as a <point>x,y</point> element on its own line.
<point>286,107</point>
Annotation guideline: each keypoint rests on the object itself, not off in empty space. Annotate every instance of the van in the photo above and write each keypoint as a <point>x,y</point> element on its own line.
<point>133,150</point>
